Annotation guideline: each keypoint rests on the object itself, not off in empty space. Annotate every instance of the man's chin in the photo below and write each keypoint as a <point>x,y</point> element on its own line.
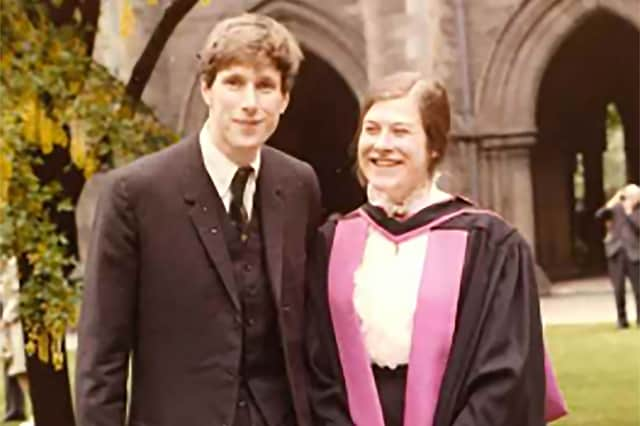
<point>248,143</point>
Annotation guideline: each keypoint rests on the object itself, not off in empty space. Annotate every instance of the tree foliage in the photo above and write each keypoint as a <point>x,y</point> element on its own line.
<point>55,100</point>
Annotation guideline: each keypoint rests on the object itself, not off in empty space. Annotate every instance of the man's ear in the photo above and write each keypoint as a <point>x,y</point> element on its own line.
<point>285,103</point>
<point>205,91</point>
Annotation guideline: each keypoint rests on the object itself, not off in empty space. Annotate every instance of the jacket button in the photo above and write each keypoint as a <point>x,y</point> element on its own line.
<point>286,308</point>
<point>237,321</point>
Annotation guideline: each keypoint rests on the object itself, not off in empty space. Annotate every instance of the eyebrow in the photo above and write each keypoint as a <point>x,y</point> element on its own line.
<point>393,123</point>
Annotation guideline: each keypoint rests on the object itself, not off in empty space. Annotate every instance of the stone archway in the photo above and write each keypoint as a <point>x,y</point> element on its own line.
<point>340,45</point>
<point>511,80</point>
<point>318,127</point>
<point>585,74</point>
<point>507,93</point>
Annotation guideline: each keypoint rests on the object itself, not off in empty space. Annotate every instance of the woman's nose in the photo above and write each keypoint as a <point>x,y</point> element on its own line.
<point>382,140</point>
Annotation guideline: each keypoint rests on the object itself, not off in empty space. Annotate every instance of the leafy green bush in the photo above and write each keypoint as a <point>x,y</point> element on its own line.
<point>53,96</point>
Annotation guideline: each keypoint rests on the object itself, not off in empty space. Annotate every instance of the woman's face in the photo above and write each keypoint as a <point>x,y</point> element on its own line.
<point>392,148</point>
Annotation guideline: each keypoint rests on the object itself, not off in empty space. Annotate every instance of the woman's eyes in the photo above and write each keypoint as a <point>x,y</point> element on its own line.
<point>400,131</point>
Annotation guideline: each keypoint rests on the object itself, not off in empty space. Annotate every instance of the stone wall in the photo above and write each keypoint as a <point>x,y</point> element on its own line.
<point>491,55</point>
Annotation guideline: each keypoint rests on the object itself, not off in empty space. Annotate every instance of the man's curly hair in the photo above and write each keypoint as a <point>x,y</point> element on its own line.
<point>250,39</point>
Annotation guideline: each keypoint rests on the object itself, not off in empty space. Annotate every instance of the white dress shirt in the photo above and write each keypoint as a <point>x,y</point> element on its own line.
<point>221,171</point>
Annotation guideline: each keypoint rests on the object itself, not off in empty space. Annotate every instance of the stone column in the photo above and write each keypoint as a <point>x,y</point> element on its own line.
<point>505,180</point>
<point>505,186</point>
<point>588,228</point>
<point>386,26</point>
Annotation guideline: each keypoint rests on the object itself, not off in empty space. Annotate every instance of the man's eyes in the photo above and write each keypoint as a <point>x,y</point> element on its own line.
<point>234,81</point>
<point>266,85</point>
<point>237,83</point>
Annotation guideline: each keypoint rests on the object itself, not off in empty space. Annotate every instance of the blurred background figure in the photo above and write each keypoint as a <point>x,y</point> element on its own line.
<point>12,341</point>
<point>621,215</point>
<point>13,397</point>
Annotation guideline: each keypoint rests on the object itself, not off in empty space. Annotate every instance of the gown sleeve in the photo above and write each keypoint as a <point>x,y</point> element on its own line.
<point>328,398</point>
<point>506,382</point>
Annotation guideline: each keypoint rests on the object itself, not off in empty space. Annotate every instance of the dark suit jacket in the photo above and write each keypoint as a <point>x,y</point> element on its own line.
<point>624,231</point>
<point>160,286</point>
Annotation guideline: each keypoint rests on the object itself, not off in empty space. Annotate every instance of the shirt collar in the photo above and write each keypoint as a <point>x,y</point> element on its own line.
<point>219,167</point>
<point>419,199</point>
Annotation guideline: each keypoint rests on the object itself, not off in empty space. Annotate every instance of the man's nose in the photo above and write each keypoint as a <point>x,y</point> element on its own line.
<point>250,100</point>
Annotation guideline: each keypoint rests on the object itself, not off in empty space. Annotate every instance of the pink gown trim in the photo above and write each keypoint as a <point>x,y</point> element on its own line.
<point>435,317</point>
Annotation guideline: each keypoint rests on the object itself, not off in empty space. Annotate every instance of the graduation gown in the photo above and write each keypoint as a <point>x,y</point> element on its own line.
<point>494,373</point>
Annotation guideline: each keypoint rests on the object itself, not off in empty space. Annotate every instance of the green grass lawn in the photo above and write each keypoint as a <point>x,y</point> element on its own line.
<point>599,372</point>
<point>598,368</point>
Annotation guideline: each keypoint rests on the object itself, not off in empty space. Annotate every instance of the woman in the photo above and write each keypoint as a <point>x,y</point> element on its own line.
<point>429,306</point>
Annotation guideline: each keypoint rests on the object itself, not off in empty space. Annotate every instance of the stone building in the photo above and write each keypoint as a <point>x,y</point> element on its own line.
<point>530,81</point>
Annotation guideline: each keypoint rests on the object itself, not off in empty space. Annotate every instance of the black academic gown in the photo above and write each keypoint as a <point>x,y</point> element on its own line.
<point>495,373</point>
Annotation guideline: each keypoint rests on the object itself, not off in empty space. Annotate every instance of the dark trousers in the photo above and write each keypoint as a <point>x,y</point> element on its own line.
<point>14,399</point>
<point>620,268</point>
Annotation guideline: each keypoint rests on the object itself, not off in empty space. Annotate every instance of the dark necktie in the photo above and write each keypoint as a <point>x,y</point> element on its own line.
<point>237,211</point>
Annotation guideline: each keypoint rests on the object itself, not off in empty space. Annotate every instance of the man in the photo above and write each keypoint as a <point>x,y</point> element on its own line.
<point>197,264</point>
<point>622,246</point>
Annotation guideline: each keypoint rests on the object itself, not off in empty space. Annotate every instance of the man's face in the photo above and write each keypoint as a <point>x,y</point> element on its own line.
<point>631,195</point>
<point>245,103</point>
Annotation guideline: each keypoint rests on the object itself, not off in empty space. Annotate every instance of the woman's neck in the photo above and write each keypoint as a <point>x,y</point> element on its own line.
<point>421,197</point>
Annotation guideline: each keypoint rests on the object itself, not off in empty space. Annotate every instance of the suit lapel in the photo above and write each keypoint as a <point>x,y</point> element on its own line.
<point>204,206</point>
<point>272,197</point>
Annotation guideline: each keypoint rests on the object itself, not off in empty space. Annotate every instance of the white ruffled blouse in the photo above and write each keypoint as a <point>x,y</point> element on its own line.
<point>387,282</point>
<point>385,296</point>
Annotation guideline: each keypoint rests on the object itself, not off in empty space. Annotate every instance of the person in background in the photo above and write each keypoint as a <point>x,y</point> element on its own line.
<point>13,398</point>
<point>430,305</point>
<point>621,215</point>
<point>13,354</point>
